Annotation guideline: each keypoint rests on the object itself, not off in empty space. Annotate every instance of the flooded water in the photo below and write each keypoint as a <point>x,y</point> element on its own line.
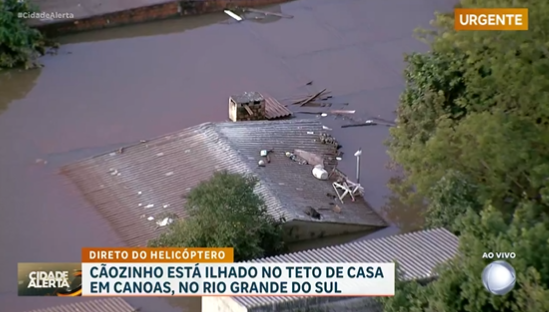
<point>109,88</point>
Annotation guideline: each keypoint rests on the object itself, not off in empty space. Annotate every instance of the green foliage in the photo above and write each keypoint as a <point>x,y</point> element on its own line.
<point>20,44</point>
<point>459,287</point>
<point>226,212</point>
<point>450,198</point>
<point>473,139</point>
<point>446,116</point>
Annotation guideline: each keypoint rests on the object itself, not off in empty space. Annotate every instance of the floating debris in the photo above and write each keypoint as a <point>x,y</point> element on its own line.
<point>160,154</point>
<point>323,115</point>
<point>362,124</point>
<point>41,161</point>
<point>140,204</point>
<point>149,206</point>
<point>326,128</point>
<point>261,163</point>
<point>342,111</point>
<point>150,218</point>
<point>169,173</point>
<point>112,154</point>
<point>113,171</point>
<point>139,193</point>
<point>310,132</point>
<point>311,98</point>
<point>166,206</point>
<point>233,15</point>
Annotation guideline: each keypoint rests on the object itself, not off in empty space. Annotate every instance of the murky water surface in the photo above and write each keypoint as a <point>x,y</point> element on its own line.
<point>109,88</point>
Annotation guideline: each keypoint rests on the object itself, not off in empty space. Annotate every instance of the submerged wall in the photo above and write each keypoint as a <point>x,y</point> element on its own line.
<point>169,9</point>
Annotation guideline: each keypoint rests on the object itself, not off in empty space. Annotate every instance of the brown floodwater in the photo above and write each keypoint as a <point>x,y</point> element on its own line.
<point>108,88</point>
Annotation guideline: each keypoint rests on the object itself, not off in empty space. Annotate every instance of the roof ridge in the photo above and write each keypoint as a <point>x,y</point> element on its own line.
<point>261,187</point>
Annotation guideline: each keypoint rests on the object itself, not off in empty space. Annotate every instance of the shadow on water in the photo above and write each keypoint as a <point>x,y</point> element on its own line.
<point>407,216</point>
<point>15,85</point>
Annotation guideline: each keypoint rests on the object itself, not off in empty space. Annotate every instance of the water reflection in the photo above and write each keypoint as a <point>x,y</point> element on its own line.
<point>15,85</point>
<point>407,216</point>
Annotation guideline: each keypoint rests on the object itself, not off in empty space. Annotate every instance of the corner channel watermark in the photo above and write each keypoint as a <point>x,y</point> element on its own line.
<point>45,16</point>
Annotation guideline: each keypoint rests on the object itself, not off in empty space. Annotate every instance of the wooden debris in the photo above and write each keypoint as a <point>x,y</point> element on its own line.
<point>233,15</point>
<point>317,104</point>
<point>362,124</point>
<point>309,113</point>
<point>342,112</point>
<point>311,158</point>
<point>269,13</point>
<point>249,110</point>
<point>310,98</point>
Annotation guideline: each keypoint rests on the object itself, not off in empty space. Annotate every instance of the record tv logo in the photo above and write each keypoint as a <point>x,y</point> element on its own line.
<point>499,277</point>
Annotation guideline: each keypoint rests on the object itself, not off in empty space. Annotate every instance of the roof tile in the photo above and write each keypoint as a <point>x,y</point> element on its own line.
<point>99,305</point>
<point>417,254</point>
<point>148,181</point>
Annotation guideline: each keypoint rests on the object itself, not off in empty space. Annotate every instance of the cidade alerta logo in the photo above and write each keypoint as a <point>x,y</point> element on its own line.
<point>499,277</point>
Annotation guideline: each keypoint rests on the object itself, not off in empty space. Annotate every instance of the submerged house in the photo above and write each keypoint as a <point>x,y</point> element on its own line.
<point>136,187</point>
<point>417,254</point>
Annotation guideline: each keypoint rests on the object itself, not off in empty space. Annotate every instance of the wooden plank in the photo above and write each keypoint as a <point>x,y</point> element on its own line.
<point>249,110</point>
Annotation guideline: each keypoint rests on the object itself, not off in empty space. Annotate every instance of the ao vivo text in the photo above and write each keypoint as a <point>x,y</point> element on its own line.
<point>499,255</point>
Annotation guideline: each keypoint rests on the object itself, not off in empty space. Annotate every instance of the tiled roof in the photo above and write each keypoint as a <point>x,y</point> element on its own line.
<point>274,109</point>
<point>100,305</point>
<point>417,254</point>
<point>325,304</point>
<point>149,180</point>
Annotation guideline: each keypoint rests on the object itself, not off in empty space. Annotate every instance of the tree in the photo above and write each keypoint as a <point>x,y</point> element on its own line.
<point>226,212</point>
<point>475,104</point>
<point>450,198</point>
<point>473,139</point>
<point>20,44</point>
<point>459,287</point>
